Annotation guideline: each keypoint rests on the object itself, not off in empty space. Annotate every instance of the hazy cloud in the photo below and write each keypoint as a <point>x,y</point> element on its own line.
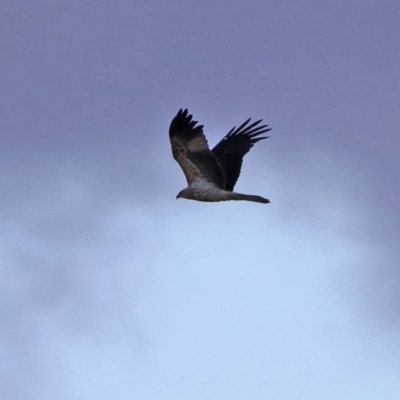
<point>98,260</point>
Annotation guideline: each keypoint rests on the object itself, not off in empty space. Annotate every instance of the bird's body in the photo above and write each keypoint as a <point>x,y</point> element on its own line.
<point>203,190</point>
<point>212,175</point>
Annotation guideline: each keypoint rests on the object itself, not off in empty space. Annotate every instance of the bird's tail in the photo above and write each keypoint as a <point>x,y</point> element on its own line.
<point>249,197</point>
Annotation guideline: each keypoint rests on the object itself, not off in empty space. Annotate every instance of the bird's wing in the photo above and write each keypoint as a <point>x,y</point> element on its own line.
<point>191,151</point>
<point>234,146</point>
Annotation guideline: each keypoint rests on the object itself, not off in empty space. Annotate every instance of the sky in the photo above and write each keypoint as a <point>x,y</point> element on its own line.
<point>112,288</point>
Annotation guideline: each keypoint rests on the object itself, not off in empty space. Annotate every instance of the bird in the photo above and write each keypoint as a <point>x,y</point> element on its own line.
<point>212,174</point>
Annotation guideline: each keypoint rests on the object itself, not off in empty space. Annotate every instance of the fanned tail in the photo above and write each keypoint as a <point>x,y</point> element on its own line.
<point>249,197</point>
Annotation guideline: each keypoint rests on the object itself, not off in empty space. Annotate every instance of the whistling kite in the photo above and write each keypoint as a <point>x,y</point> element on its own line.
<point>212,174</point>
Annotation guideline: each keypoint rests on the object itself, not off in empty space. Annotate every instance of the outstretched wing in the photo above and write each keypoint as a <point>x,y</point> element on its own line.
<point>234,146</point>
<point>191,151</point>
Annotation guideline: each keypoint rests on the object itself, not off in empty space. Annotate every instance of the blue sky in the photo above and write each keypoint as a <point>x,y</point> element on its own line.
<point>112,288</point>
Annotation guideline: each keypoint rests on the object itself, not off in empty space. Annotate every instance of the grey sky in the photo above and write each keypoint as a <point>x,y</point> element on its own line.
<point>110,288</point>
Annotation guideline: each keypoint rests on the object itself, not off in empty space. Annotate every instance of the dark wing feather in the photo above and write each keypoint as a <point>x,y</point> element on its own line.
<point>191,151</point>
<point>234,146</point>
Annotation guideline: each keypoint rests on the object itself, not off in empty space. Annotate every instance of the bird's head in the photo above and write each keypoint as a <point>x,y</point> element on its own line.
<point>183,194</point>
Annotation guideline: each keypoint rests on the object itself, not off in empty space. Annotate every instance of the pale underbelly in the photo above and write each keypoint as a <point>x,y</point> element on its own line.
<point>211,195</point>
<point>203,190</point>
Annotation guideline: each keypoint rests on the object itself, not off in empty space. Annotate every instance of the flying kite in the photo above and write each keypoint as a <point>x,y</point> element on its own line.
<point>212,174</point>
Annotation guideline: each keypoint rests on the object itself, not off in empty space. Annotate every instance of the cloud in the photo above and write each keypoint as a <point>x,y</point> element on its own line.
<point>88,181</point>
<point>72,254</point>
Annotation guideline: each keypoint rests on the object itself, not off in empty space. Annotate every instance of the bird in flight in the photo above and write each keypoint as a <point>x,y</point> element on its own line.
<point>212,174</point>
